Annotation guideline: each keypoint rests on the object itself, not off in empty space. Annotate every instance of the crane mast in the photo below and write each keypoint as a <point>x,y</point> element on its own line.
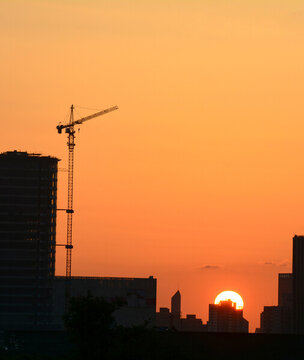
<point>69,129</point>
<point>71,144</point>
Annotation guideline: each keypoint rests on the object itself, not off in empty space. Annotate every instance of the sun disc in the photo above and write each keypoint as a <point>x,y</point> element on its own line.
<point>230,295</point>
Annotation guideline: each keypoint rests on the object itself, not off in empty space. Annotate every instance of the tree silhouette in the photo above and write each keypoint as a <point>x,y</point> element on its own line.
<point>90,322</point>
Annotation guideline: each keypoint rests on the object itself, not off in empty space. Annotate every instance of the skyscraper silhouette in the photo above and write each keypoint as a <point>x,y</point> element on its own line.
<point>225,317</point>
<point>298,284</point>
<point>176,305</point>
<point>285,301</point>
<point>28,185</point>
<point>176,311</point>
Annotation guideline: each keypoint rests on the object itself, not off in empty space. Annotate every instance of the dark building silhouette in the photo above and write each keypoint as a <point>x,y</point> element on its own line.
<point>176,304</point>
<point>192,323</point>
<point>298,284</point>
<point>278,319</point>
<point>288,316</point>
<point>285,290</point>
<point>176,310</point>
<point>138,296</point>
<point>225,317</point>
<point>173,320</point>
<point>270,320</point>
<point>31,297</point>
<point>163,318</point>
<point>28,190</point>
<point>285,301</point>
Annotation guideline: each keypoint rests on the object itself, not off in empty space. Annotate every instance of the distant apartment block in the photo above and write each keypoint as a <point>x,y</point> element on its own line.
<point>285,302</point>
<point>298,284</point>
<point>176,311</point>
<point>285,291</point>
<point>271,320</point>
<point>163,318</point>
<point>176,304</point>
<point>288,316</point>
<point>279,319</point>
<point>225,317</point>
<point>192,323</point>
<point>166,319</point>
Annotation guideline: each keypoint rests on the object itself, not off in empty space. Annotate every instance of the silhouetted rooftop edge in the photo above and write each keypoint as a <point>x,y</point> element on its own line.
<point>19,154</point>
<point>104,278</point>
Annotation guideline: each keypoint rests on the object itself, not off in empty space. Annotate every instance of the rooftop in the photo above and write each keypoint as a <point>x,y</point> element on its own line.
<point>23,154</point>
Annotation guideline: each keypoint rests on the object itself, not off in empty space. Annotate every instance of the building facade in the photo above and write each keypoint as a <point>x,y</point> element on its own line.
<point>298,284</point>
<point>278,319</point>
<point>225,317</point>
<point>176,311</point>
<point>28,192</point>
<point>192,323</point>
<point>270,320</point>
<point>285,301</point>
<point>137,294</point>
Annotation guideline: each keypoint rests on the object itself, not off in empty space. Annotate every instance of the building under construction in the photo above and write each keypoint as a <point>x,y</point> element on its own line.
<point>28,187</point>
<point>31,297</point>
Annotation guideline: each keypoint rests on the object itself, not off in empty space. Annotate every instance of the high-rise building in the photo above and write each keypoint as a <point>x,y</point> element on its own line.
<point>285,290</point>
<point>225,317</point>
<point>278,319</point>
<point>173,320</point>
<point>28,186</point>
<point>298,284</point>
<point>176,311</point>
<point>176,304</point>
<point>271,320</point>
<point>285,301</point>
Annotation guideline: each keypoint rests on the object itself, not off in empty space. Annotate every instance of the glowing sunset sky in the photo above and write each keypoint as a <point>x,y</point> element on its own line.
<point>198,178</point>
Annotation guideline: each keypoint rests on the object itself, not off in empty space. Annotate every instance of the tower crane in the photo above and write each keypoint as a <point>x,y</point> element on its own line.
<point>69,129</point>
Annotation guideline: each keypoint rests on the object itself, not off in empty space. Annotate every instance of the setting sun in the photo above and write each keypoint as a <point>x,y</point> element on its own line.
<point>230,295</point>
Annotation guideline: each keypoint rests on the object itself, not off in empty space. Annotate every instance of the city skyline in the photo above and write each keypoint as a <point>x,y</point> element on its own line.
<point>197,180</point>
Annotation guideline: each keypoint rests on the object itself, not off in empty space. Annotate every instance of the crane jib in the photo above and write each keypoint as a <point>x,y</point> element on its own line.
<point>80,121</point>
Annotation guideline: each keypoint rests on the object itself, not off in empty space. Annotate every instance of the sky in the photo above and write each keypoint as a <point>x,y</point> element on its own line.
<point>197,179</point>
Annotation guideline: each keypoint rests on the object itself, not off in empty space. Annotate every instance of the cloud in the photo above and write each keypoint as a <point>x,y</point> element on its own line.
<point>284,262</point>
<point>279,264</point>
<point>210,267</point>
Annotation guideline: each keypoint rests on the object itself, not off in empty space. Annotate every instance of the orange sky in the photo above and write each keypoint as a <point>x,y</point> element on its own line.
<point>198,178</point>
